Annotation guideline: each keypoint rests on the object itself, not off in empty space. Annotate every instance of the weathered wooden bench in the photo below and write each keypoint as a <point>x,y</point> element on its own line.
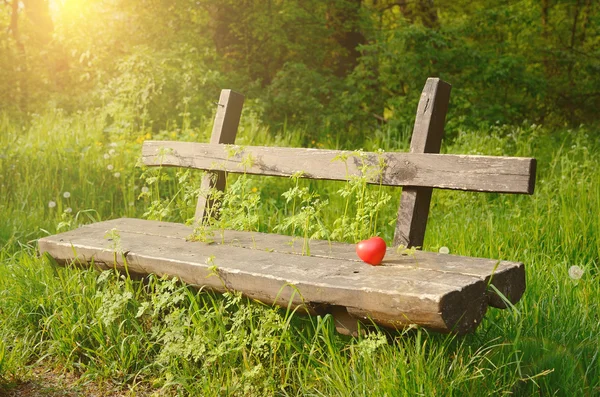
<point>441,292</point>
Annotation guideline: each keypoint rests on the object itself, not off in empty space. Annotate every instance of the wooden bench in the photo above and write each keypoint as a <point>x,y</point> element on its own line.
<point>442,292</point>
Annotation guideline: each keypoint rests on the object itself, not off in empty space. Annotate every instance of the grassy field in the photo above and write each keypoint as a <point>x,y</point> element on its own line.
<point>132,338</point>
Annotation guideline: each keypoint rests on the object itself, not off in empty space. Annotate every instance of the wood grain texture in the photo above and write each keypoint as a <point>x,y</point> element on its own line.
<point>224,131</point>
<point>441,292</point>
<point>446,293</point>
<point>428,132</point>
<point>445,171</point>
<point>507,277</point>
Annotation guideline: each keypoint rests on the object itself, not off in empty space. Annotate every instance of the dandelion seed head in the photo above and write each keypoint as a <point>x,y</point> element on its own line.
<point>110,167</point>
<point>51,204</point>
<point>66,194</point>
<point>117,174</point>
<point>145,189</point>
<point>112,152</point>
<point>575,272</point>
<point>68,210</point>
<point>444,250</point>
<point>113,144</point>
<point>106,156</point>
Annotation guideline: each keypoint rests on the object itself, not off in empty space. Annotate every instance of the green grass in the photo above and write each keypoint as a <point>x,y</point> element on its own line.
<point>160,335</point>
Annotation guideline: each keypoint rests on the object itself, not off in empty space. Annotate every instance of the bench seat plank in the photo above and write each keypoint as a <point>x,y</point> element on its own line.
<point>507,277</point>
<point>441,292</point>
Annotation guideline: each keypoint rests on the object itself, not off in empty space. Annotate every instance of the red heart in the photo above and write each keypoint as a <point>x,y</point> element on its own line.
<point>372,250</point>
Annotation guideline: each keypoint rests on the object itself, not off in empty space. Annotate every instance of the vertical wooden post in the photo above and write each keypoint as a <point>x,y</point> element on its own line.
<point>224,131</point>
<point>426,138</point>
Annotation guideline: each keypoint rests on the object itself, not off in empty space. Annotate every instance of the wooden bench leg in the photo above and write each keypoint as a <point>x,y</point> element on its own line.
<point>345,324</point>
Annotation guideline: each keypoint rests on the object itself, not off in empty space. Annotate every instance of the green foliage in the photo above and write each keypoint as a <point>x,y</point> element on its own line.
<point>79,96</point>
<point>170,338</point>
<point>305,214</point>
<point>363,206</point>
<point>239,210</point>
<point>336,65</point>
<point>150,88</point>
<point>297,94</point>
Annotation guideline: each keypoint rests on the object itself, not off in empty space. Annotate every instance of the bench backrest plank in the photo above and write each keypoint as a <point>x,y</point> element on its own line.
<point>418,172</point>
<point>444,171</point>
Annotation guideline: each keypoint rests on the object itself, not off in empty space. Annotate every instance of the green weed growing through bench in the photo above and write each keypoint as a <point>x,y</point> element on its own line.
<point>49,315</point>
<point>367,204</point>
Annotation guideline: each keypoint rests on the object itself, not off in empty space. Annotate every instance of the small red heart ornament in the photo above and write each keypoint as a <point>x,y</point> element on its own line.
<point>372,250</point>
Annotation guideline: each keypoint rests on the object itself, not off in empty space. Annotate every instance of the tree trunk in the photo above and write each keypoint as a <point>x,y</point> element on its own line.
<point>574,26</point>
<point>545,7</point>
<point>546,38</point>
<point>14,22</point>
<point>586,20</point>
<point>222,16</point>
<point>343,19</point>
<point>38,12</point>
<point>21,66</point>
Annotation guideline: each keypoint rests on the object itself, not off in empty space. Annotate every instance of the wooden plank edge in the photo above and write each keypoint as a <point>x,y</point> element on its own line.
<point>461,311</point>
<point>532,175</point>
<point>283,293</point>
<point>511,283</point>
<point>445,320</point>
<point>211,157</point>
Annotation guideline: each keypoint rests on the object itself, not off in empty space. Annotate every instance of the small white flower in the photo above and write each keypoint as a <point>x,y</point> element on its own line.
<point>51,204</point>
<point>117,174</point>
<point>106,156</point>
<point>66,194</point>
<point>444,250</point>
<point>575,272</point>
<point>68,210</point>
<point>145,189</point>
<point>112,152</point>
<point>110,167</point>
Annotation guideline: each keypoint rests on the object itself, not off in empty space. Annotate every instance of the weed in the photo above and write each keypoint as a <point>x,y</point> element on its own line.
<point>365,203</point>
<point>177,340</point>
<point>306,219</point>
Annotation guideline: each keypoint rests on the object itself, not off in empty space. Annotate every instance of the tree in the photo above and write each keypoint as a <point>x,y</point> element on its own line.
<point>344,22</point>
